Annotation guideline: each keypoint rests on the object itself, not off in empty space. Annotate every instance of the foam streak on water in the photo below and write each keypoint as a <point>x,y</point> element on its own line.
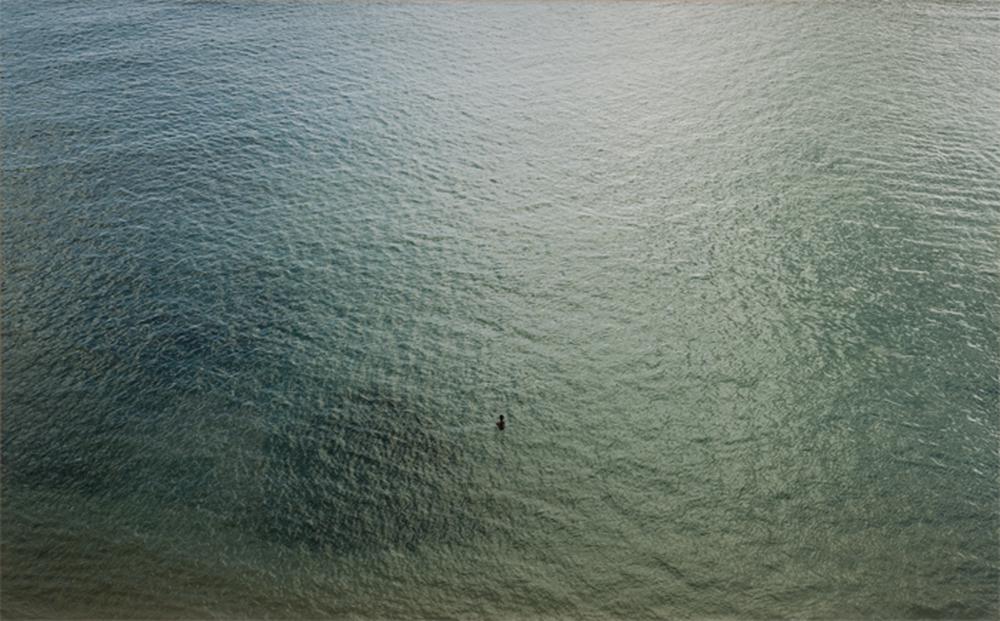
<point>271,270</point>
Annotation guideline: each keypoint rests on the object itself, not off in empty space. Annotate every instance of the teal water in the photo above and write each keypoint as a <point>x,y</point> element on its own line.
<point>272,269</point>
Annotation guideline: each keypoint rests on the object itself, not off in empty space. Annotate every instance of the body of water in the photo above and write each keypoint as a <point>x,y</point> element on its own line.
<point>271,270</point>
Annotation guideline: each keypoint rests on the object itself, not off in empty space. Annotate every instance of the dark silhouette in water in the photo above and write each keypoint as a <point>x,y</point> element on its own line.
<point>322,464</point>
<point>501,424</point>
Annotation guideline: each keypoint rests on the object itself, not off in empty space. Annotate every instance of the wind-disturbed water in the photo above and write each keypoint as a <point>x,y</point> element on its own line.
<point>272,269</point>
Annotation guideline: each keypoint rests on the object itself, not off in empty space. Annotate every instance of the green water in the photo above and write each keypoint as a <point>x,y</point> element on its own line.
<point>271,270</point>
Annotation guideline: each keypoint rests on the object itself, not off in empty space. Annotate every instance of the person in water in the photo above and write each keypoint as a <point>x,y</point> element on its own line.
<point>501,423</point>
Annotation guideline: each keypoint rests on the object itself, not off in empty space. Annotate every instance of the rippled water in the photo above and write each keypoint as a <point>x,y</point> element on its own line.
<point>272,269</point>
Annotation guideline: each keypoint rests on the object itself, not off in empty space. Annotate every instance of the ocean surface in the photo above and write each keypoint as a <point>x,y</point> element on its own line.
<point>272,269</point>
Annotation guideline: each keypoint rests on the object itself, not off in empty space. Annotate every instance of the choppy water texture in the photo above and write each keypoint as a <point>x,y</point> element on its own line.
<point>272,269</point>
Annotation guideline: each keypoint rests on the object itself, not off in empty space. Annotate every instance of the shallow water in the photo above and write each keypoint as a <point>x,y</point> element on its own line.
<point>272,269</point>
